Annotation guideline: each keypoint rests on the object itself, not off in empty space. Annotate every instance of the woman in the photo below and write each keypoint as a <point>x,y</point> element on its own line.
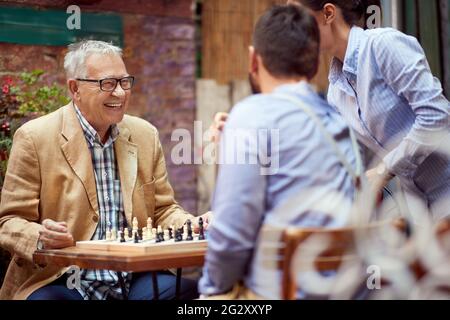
<point>382,85</point>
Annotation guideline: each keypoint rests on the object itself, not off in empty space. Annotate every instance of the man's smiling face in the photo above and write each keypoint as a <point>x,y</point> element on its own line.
<point>102,108</point>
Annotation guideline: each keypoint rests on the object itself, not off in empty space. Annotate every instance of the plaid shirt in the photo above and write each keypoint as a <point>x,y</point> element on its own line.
<point>98,284</point>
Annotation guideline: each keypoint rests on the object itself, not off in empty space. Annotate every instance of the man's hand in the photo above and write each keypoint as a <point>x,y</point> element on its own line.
<point>55,235</point>
<point>207,218</point>
<point>217,126</point>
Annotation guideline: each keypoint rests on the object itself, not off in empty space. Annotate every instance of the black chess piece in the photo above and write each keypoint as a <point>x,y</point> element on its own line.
<point>201,231</point>
<point>179,235</point>
<point>122,236</point>
<point>177,238</point>
<point>170,233</point>
<point>189,230</point>
<point>161,236</point>
<point>136,237</point>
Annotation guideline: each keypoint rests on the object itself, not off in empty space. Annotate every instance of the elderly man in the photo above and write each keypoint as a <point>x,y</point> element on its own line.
<point>77,172</point>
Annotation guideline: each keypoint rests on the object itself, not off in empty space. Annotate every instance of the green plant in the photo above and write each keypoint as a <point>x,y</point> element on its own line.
<point>21,100</point>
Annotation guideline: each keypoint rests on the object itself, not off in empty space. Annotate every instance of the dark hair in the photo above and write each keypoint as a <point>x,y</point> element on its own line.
<point>354,11</point>
<point>287,38</point>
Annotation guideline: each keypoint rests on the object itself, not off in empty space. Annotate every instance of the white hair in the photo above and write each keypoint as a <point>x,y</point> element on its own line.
<point>75,59</point>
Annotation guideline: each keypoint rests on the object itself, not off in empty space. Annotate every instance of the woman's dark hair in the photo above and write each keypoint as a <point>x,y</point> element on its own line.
<point>287,38</point>
<point>354,11</point>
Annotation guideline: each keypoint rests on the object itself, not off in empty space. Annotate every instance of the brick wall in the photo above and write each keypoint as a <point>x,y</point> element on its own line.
<point>159,47</point>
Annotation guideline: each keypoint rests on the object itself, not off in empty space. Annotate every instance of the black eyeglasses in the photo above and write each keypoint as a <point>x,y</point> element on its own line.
<point>110,84</point>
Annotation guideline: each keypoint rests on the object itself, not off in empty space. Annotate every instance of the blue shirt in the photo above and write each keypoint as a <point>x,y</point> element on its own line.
<point>304,172</point>
<point>98,284</point>
<point>388,95</point>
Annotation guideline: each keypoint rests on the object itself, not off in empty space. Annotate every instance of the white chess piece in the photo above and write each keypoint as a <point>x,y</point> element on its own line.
<point>108,235</point>
<point>153,233</point>
<point>149,223</point>
<point>113,235</point>
<point>135,224</point>
<point>166,235</point>
<point>149,234</point>
<point>144,234</point>
<point>126,234</point>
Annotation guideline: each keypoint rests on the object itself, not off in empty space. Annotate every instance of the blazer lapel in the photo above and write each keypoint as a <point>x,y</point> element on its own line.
<point>127,160</point>
<point>76,152</point>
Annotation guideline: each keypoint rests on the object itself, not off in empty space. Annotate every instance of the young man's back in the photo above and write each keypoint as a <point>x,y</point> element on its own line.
<point>304,168</point>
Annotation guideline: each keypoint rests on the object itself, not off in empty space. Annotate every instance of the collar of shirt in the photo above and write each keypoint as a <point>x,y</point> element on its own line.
<point>350,65</point>
<point>306,92</point>
<point>299,87</point>
<point>91,134</point>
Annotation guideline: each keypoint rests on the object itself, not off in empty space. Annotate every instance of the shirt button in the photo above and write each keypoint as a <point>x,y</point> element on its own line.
<point>107,198</point>
<point>95,218</point>
<point>105,175</point>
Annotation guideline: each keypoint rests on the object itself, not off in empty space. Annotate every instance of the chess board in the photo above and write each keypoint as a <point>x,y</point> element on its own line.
<point>143,246</point>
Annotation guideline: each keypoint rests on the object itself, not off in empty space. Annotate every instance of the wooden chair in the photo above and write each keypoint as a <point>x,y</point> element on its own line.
<point>341,247</point>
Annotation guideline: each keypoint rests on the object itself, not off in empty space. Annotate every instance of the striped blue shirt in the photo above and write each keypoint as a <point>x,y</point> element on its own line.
<point>385,90</point>
<point>99,284</point>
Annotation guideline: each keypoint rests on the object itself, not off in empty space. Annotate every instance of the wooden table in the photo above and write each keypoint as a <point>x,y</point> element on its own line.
<point>124,261</point>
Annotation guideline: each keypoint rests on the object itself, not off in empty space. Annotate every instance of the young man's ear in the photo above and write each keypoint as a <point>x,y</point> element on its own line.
<point>73,88</point>
<point>329,13</point>
<point>253,60</point>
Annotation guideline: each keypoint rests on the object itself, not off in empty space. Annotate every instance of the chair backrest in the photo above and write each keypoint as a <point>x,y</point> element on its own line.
<point>340,246</point>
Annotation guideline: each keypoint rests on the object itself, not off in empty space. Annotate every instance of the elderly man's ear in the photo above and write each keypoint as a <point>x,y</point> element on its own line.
<point>73,88</point>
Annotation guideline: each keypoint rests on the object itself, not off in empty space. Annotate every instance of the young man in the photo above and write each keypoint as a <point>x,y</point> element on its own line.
<point>312,157</point>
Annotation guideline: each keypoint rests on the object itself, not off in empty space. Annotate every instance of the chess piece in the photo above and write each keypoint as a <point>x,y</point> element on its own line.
<point>185,234</point>
<point>126,234</point>
<point>170,231</point>
<point>144,234</point>
<point>201,231</point>
<point>149,224</point>
<point>135,225</point>
<point>136,237</point>
<point>108,231</point>
<point>153,233</point>
<point>108,235</point>
<point>158,237</point>
<point>122,235</point>
<point>113,235</point>
<point>189,230</point>
<point>149,234</point>
<point>177,235</point>
<point>180,234</point>
<point>166,235</point>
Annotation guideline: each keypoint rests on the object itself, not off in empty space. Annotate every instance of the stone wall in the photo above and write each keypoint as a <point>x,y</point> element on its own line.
<point>159,50</point>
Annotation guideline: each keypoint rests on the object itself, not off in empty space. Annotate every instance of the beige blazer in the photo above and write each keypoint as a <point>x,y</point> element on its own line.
<point>50,175</point>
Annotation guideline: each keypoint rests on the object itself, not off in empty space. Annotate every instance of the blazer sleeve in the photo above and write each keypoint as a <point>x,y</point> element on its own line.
<point>167,210</point>
<point>19,207</point>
